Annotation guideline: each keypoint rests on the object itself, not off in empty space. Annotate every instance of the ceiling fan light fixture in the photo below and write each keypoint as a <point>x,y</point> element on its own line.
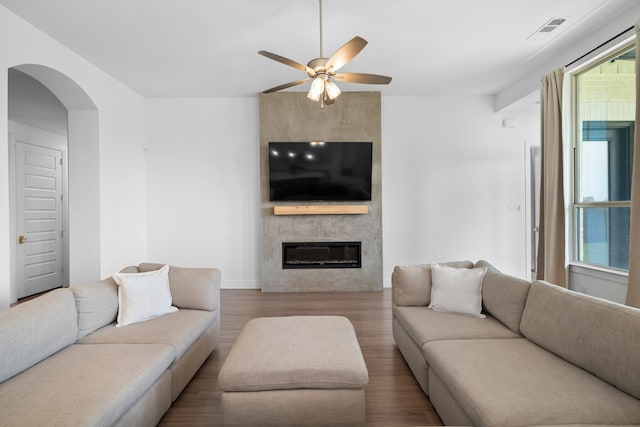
<point>317,89</point>
<point>333,91</point>
<point>322,70</point>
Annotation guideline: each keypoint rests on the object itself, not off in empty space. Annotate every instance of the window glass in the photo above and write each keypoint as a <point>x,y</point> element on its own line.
<point>605,101</point>
<point>603,236</point>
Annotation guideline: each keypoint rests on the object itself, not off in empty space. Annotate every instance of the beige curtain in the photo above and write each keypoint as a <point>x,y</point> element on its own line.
<point>551,235</point>
<point>633,291</point>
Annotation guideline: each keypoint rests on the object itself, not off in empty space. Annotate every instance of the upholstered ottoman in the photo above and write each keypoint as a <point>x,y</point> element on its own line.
<point>294,370</point>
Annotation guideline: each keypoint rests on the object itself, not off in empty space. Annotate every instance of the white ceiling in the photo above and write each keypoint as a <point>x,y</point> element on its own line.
<point>187,48</point>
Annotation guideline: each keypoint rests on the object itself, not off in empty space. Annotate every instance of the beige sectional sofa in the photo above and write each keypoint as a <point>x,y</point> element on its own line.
<point>64,363</point>
<point>543,355</point>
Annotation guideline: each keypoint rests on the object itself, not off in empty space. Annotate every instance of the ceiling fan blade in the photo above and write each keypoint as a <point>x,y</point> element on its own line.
<point>287,61</point>
<point>286,85</point>
<point>346,53</point>
<point>372,79</point>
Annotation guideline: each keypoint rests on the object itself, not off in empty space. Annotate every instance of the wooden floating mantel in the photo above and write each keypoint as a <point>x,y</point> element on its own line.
<point>321,210</point>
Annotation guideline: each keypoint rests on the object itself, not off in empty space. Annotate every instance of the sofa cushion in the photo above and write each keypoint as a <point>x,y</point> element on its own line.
<point>131,269</point>
<point>196,288</point>
<point>178,330</point>
<point>599,336</point>
<point>424,325</point>
<point>489,378</point>
<point>504,296</point>
<point>36,329</point>
<point>457,290</point>
<point>96,304</point>
<point>411,284</point>
<point>83,385</point>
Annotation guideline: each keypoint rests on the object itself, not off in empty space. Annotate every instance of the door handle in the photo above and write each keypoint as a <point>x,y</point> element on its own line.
<point>21,240</point>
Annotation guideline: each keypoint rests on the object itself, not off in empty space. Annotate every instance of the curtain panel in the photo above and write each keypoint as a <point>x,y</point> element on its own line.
<point>633,289</point>
<point>551,262</point>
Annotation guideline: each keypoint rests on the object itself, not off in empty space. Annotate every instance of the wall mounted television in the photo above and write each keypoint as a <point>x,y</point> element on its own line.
<point>320,171</point>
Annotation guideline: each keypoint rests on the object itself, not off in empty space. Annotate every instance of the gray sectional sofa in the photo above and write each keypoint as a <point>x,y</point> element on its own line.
<point>543,355</point>
<point>64,363</point>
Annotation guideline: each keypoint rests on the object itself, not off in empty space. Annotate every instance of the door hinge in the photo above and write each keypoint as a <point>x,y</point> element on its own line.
<point>61,233</point>
<point>60,161</point>
<point>61,197</point>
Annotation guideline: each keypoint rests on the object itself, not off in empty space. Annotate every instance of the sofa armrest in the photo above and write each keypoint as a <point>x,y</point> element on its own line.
<point>503,296</point>
<point>192,288</point>
<point>411,284</point>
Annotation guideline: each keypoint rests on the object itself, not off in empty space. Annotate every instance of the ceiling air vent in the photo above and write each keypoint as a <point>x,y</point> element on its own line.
<point>545,29</point>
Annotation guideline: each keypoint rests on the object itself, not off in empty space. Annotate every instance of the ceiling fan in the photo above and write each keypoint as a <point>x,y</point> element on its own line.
<point>324,70</point>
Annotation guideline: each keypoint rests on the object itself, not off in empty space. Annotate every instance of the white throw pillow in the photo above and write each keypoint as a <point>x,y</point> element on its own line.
<point>143,296</point>
<point>457,290</point>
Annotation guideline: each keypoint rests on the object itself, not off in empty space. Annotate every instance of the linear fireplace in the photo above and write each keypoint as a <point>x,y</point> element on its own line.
<point>321,255</point>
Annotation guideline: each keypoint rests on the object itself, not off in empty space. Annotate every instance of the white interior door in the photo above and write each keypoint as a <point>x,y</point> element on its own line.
<point>39,220</point>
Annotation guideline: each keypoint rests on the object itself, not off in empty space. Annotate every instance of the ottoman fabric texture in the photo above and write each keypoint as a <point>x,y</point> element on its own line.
<point>294,370</point>
<point>324,407</point>
<point>278,353</point>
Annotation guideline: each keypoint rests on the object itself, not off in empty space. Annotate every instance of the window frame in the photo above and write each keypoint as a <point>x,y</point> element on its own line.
<point>576,139</point>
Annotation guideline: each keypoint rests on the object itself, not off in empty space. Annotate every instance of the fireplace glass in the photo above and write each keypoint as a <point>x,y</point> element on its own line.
<point>321,255</point>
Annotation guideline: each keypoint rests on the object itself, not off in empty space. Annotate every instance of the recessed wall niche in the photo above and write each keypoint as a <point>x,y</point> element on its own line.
<point>291,117</point>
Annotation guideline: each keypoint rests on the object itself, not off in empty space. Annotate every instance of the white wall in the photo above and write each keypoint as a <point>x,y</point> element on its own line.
<point>84,200</point>
<point>203,177</point>
<point>31,103</point>
<point>449,172</point>
<point>121,137</point>
<point>567,53</point>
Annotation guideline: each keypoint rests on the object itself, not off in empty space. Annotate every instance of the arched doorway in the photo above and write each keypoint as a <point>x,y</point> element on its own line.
<point>83,203</point>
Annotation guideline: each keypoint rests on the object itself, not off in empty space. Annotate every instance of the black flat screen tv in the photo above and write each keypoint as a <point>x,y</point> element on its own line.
<point>319,171</point>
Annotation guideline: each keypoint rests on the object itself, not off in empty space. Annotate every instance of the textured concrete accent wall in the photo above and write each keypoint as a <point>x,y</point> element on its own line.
<point>290,116</point>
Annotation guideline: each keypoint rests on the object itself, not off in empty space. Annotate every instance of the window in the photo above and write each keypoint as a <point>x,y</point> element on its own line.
<point>604,129</point>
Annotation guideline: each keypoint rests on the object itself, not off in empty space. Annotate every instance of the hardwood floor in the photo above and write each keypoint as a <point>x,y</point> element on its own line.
<point>393,396</point>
